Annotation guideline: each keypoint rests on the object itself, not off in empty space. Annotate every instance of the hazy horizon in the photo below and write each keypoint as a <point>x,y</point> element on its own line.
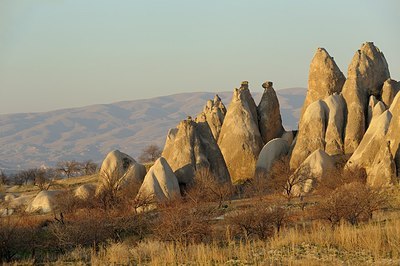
<point>62,54</point>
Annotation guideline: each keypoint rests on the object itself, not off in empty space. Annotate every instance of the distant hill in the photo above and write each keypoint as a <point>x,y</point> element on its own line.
<point>35,139</point>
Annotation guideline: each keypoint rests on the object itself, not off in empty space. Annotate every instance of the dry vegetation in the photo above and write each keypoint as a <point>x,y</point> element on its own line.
<point>342,221</point>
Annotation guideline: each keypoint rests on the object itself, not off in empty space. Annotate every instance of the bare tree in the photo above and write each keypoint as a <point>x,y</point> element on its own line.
<point>24,176</point>
<point>150,153</point>
<point>68,167</point>
<point>283,178</point>
<point>89,167</point>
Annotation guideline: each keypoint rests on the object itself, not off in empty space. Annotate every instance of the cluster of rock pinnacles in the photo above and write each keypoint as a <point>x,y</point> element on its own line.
<point>357,117</point>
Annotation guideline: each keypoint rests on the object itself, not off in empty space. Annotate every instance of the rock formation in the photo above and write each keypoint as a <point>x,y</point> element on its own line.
<point>324,78</point>
<point>240,139</point>
<point>44,202</point>
<point>119,169</point>
<point>382,172</point>
<point>393,135</point>
<point>85,191</point>
<point>334,130</point>
<point>214,112</point>
<point>191,146</point>
<point>366,74</point>
<point>274,150</point>
<point>269,115</point>
<point>389,91</point>
<point>160,183</point>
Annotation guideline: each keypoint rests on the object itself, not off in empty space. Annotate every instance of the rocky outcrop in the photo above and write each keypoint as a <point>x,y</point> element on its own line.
<point>324,78</point>
<point>393,135</point>
<point>44,202</point>
<point>160,184</point>
<point>366,74</point>
<point>274,150</point>
<point>382,172</point>
<point>214,111</point>
<point>334,130</point>
<point>389,91</point>
<point>240,139</point>
<point>85,191</point>
<point>191,146</point>
<point>311,135</point>
<point>118,170</point>
<point>269,115</point>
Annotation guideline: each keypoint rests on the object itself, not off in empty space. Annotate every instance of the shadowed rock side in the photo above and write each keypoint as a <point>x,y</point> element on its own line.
<point>366,74</point>
<point>191,146</point>
<point>389,91</point>
<point>383,170</point>
<point>393,135</point>
<point>240,139</point>
<point>214,112</point>
<point>336,108</point>
<point>160,183</point>
<point>324,78</point>
<point>119,169</point>
<point>274,150</point>
<point>269,115</point>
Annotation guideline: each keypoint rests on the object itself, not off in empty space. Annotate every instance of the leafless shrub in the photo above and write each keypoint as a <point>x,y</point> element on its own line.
<point>88,167</point>
<point>283,180</point>
<point>150,153</point>
<point>68,168</point>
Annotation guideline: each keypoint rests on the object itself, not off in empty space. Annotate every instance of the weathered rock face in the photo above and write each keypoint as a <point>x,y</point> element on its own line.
<point>314,168</point>
<point>44,202</point>
<point>214,112</point>
<point>311,134</point>
<point>240,139</point>
<point>334,131</point>
<point>382,172</point>
<point>191,146</point>
<point>119,169</point>
<point>269,116</point>
<point>366,74</point>
<point>85,192</point>
<point>389,91</point>
<point>160,183</point>
<point>393,135</point>
<point>324,78</point>
<point>274,150</point>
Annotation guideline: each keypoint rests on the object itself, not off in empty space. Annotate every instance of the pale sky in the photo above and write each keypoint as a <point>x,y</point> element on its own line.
<point>67,53</point>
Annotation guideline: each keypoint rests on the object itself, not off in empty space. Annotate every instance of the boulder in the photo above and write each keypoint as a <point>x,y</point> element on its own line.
<point>160,183</point>
<point>313,169</point>
<point>311,135</point>
<point>288,136</point>
<point>366,74</point>
<point>214,111</point>
<point>269,116</point>
<point>85,191</point>
<point>324,78</point>
<point>336,108</point>
<point>240,139</point>
<point>45,201</point>
<point>118,170</point>
<point>382,172</point>
<point>191,146</point>
<point>274,150</point>
<point>389,91</point>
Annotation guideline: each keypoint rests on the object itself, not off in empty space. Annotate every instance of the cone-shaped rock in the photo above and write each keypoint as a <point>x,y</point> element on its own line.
<point>269,115</point>
<point>311,134</point>
<point>389,91</point>
<point>191,146</point>
<point>393,135</point>
<point>160,183</point>
<point>214,112</point>
<point>382,172</point>
<point>240,139</point>
<point>119,169</point>
<point>334,130</point>
<point>274,150</point>
<point>324,78</point>
<point>366,74</point>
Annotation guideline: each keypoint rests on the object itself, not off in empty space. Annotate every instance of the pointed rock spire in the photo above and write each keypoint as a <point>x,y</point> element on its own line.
<point>214,112</point>
<point>389,91</point>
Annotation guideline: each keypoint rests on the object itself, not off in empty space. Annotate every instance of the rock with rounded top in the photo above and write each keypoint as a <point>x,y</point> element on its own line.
<point>311,135</point>
<point>160,183</point>
<point>366,74</point>
<point>324,78</point>
<point>269,116</point>
<point>288,136</point>
<point>191,146</point>
<point>85,191</point>
<point>45,201</point>
<point>240,139</point>
<point>274,150</point>
<point>390,89</point>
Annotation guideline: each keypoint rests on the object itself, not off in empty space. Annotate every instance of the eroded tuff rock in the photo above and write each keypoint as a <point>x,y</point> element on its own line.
<point>334,130</point>
<point>389,91</point>
<point>160,184</point>
<point>118,170</point>
<point>366,74</point>
<point>393,135</point>
<point>44,202</point>
<point>324,78</point>
<point>214,112</point>
<point>191,146</point>
<point>269,115</point>
<point>274,150</point>
<point>85,191</point>
<point>382,172</point>
<point>240,139</point>
<point>311,135</point>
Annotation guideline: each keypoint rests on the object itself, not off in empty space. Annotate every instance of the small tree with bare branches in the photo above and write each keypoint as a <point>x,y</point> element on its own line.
<point>150,154</point>
<point>68,167</point>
